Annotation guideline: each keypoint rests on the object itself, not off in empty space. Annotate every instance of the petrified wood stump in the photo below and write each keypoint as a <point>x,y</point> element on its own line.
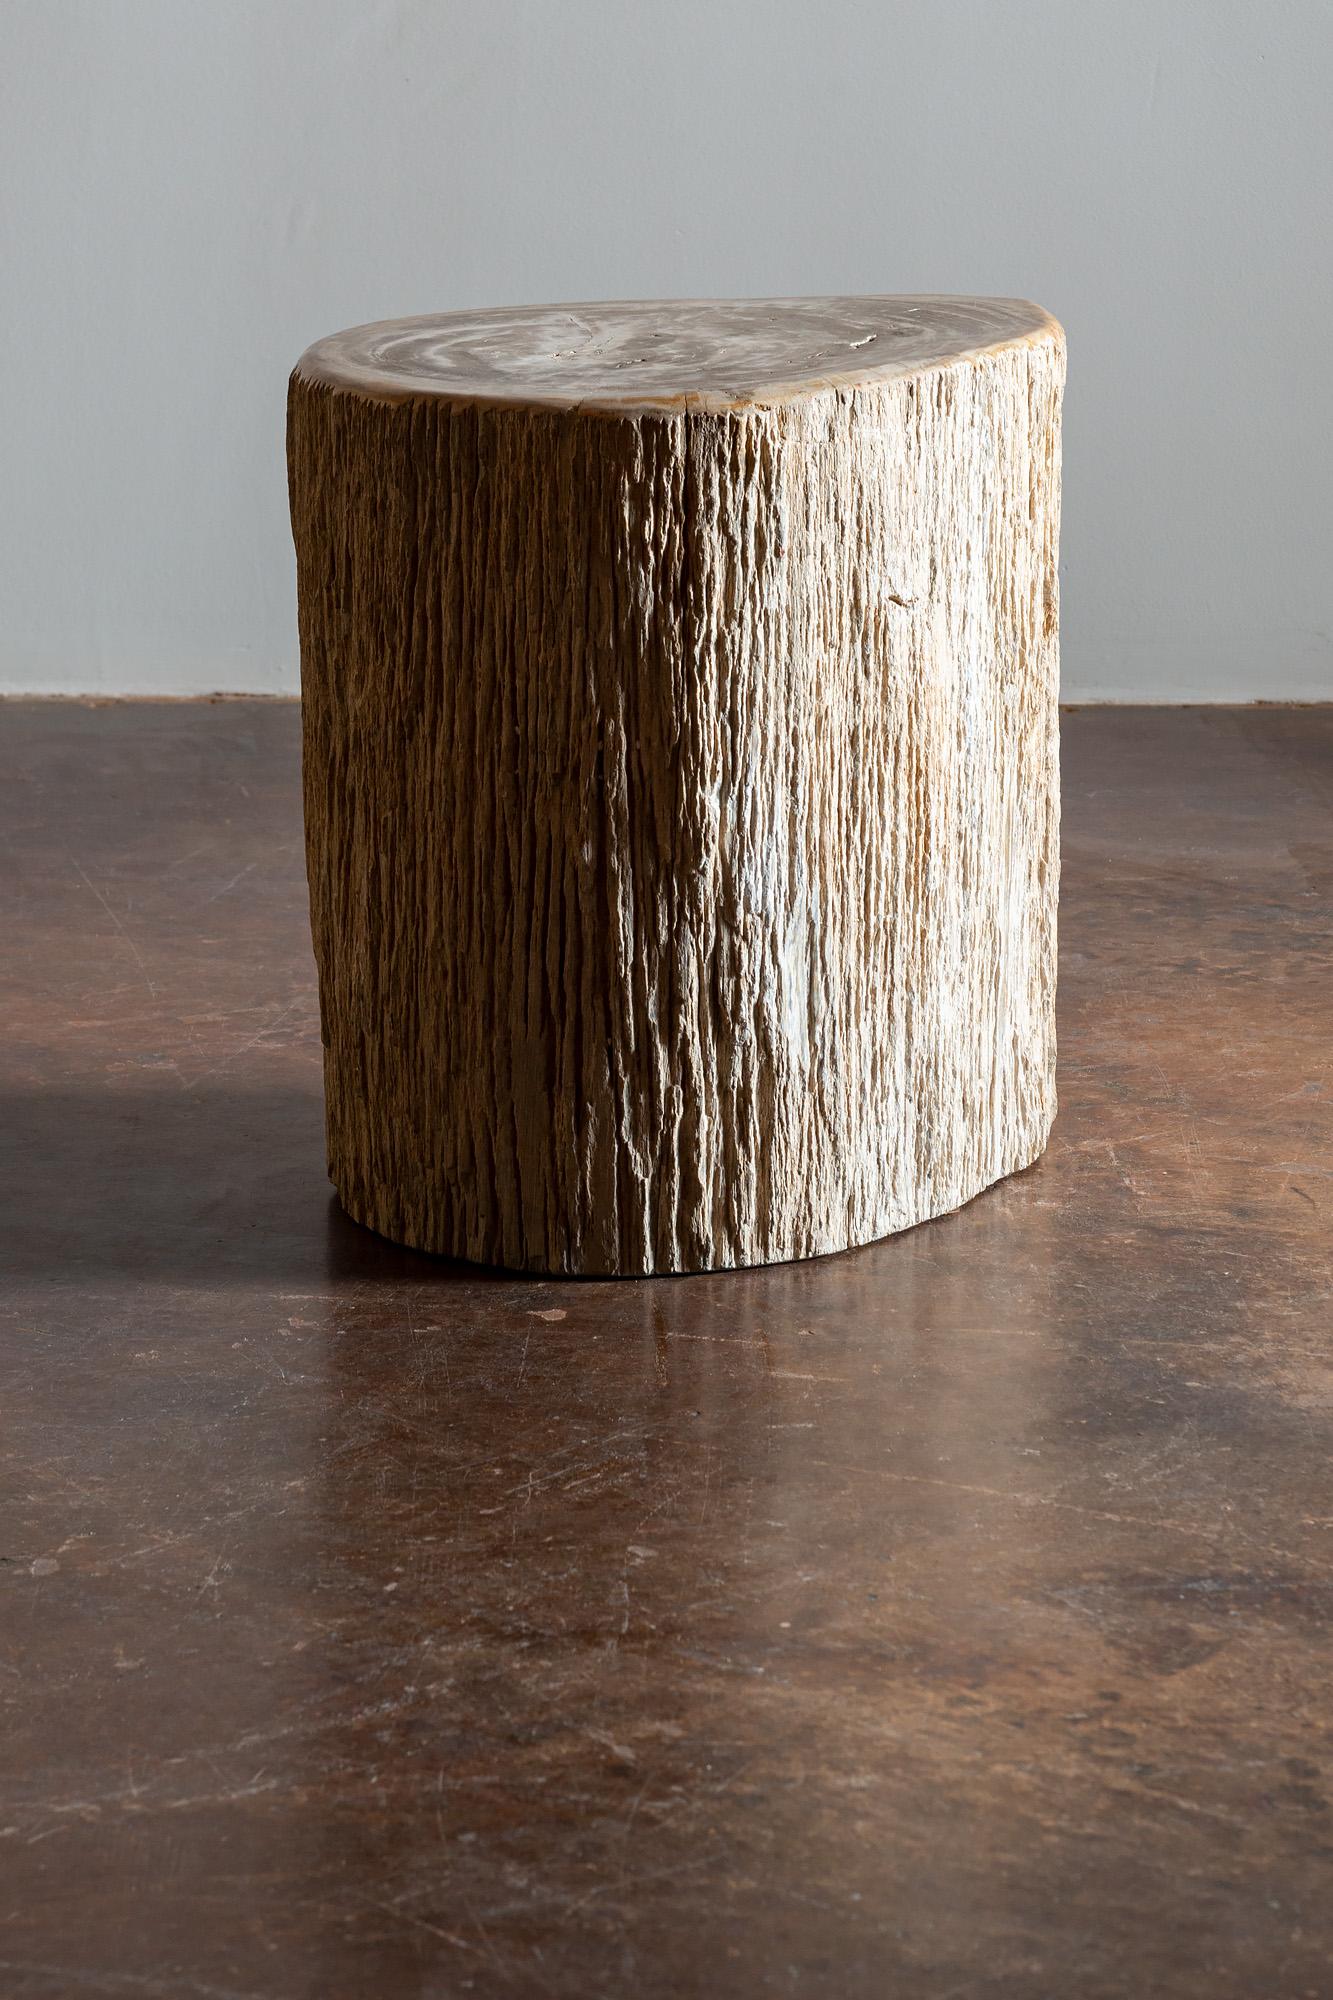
<point>681,770</point>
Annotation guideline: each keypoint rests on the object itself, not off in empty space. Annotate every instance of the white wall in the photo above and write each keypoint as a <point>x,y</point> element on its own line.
<point>192,190</point>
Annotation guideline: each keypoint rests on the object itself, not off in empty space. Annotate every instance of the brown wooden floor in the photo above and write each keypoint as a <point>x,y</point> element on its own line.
<point>948,1619</point>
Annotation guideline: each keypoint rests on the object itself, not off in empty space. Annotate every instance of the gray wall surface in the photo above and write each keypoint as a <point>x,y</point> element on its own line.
<point>193,190</point>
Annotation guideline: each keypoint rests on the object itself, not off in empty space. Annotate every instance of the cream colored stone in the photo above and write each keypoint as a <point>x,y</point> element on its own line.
<point>681,789</point>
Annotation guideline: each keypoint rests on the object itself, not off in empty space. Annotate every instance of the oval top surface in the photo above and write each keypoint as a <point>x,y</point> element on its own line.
<point>668,353</point>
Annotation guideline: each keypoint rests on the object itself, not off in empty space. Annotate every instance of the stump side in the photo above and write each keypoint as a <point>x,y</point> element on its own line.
<point>682,812</point>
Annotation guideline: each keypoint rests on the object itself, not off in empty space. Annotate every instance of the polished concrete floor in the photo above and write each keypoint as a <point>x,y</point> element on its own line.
<point>948,1620</point>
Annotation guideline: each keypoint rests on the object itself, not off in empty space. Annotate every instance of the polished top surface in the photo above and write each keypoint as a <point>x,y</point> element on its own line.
<point>669,353</point>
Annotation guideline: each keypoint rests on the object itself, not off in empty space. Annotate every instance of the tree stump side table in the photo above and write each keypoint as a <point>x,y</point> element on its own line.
<point>680,764</point>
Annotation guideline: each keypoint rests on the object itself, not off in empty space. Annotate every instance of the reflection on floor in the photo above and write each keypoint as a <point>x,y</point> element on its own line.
<point>945,1619</point>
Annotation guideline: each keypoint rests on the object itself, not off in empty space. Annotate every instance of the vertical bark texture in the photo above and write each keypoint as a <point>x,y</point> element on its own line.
<point>681,797</point>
